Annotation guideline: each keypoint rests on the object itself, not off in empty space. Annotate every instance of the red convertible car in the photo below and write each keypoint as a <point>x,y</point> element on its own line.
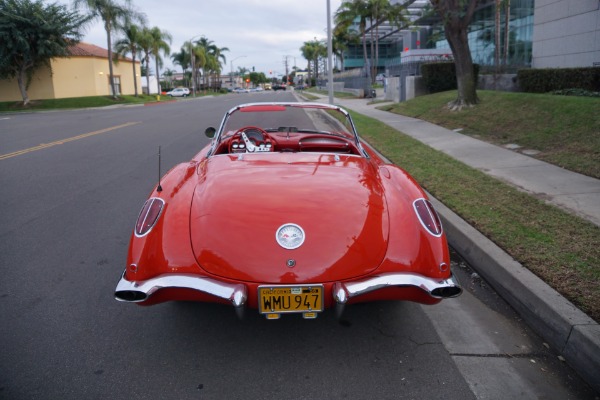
<point>287,210</point>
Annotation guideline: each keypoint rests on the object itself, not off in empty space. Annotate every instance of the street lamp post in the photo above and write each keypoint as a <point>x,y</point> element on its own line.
<point>329,54</point>
<point>231,63</point>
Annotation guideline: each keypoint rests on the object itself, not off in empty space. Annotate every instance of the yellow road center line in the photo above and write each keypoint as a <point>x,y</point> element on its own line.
<point>62,141</point>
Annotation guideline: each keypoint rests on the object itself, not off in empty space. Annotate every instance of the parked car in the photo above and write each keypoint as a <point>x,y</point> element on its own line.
<point>287,211</point>
<point>179,92</point>
<point>240,90</point>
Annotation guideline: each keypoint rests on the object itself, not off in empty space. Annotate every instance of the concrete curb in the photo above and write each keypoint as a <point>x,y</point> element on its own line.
<point>566,328</point>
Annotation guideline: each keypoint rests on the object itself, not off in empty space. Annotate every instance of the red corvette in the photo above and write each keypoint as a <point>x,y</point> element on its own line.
<point>287,211</point>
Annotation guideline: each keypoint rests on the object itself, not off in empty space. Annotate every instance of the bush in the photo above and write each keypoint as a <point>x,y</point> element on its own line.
<point>553,79</point>
<point>441,76</point>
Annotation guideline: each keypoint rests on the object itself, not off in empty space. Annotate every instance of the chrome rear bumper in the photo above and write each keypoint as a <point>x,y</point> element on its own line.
<point>439,289</point>
<point>138,291</point>
<point>237,294</point>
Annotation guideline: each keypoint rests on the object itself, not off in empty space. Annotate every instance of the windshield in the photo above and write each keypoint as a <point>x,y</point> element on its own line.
<point>287,127</point>
<point>295,117</point>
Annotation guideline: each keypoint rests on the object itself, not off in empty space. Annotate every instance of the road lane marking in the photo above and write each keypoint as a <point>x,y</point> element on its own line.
<point>63,141</point>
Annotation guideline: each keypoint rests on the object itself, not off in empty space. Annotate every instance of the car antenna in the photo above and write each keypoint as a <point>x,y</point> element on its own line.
<point>159,188</point>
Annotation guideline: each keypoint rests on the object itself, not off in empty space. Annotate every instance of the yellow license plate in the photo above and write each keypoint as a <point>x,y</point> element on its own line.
<point>290,299</point>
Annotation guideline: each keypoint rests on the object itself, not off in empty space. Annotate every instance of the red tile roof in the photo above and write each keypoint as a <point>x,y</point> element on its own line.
<point>83,49</point>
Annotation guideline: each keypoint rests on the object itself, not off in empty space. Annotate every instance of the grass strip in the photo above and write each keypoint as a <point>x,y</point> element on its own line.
<point>86,102</point>
<point>564,129</point>
<point>560,248</point>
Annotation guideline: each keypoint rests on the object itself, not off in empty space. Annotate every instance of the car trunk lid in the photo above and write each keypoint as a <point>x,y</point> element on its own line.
<point>240,203</point>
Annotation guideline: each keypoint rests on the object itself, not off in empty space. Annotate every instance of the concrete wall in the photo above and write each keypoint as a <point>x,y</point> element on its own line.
<point>392,89</point>
<point>566,33</point>
<point>41,87</point>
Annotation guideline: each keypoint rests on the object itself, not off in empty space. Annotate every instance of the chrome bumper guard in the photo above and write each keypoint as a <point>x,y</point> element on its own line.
<point>138,291</point>
<point>439,289</point>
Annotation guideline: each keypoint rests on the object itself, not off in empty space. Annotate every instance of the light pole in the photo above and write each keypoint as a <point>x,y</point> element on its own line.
<point>231,63</point>
<point>193,62</point>
<point>329,54</point>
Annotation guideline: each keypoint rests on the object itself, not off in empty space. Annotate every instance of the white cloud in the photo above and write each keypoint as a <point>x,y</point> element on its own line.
<point>265,32</point>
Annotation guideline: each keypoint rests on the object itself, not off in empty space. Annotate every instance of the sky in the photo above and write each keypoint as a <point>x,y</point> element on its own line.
<point>258,33</point>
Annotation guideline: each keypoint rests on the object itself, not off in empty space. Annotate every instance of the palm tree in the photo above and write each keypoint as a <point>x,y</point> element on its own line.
<point>198,59</point>
<point>205,47</point>
<point>342,38</point>
<point>219,60</point>
<point>308,52</point>
<point>114,16</point>
<point>380,11</point>
<point>145,43</point>
<point>312,50</point>
<point>347,14</point>
<point>130,44</point>
<point>182,59</point>
<point>159,43</point>
<point>168,74</point>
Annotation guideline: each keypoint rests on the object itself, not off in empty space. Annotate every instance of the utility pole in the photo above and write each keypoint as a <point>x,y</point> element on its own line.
<point>329,54</point>
<point>286,69</point>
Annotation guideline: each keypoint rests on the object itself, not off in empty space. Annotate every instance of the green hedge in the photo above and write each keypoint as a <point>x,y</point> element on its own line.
<point>551,79</point>
<point>441,76</point>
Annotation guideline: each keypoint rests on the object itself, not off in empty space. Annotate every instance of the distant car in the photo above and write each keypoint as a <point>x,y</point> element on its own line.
<point>256,89</point>
<point>299,87</point>
<point>240,90</point>
<point>179,92</point>
<point>287,210</point>
<point>380,78</point>
<point>279,87</point>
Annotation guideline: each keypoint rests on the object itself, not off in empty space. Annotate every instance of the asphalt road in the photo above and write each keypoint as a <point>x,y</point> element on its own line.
<point>72,185</point>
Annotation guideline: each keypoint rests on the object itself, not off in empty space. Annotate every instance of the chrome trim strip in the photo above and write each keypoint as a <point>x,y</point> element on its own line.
<point>343,291</point>
<point>162,207</point>
<point>237,294</point>
<point>433,217</point>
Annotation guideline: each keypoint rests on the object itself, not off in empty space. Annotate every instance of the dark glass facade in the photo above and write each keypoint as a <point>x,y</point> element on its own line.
<point>482,38</point>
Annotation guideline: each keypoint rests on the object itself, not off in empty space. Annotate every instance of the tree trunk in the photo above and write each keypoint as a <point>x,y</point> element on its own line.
<point>157,75</point>
<point>134,73</point>
<point>21,80</point>
<point>465,74</point>
<point>456,15</point>
<point>367,66</point>
<point>497,37</point>
<point>147,62</point>
<point>110,62</point>
<point>506,31</point>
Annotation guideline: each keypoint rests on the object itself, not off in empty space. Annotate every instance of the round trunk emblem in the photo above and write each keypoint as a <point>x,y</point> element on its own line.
<point>290,236</point>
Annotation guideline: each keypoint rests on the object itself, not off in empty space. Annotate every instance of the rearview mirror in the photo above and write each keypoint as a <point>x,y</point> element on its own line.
<point>210,132</point>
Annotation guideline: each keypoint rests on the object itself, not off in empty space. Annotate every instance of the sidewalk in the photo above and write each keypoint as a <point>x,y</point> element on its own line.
<point>573,192</point>
<point>570,331</point>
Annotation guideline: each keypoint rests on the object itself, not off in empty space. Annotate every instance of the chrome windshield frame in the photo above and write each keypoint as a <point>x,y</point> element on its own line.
<point>304,105</point>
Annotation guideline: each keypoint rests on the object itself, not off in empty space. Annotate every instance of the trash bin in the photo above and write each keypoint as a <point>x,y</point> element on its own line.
<point>373,93</point>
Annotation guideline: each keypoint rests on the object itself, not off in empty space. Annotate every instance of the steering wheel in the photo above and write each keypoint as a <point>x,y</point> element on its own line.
<point>250,139</point>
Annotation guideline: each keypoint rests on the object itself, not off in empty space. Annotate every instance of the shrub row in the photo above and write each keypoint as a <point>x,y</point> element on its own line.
<point>441,76</point>
<point>551,79</point>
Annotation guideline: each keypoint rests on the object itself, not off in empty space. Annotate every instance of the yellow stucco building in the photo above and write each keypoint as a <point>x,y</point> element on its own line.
<point>84,73</point>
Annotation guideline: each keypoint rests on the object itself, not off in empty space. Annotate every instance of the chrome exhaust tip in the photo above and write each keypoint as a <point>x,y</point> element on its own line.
<point>130,296</point>
<point>446,292</point>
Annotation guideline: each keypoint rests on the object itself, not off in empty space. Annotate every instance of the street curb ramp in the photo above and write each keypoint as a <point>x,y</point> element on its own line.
<point>566,328</point>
